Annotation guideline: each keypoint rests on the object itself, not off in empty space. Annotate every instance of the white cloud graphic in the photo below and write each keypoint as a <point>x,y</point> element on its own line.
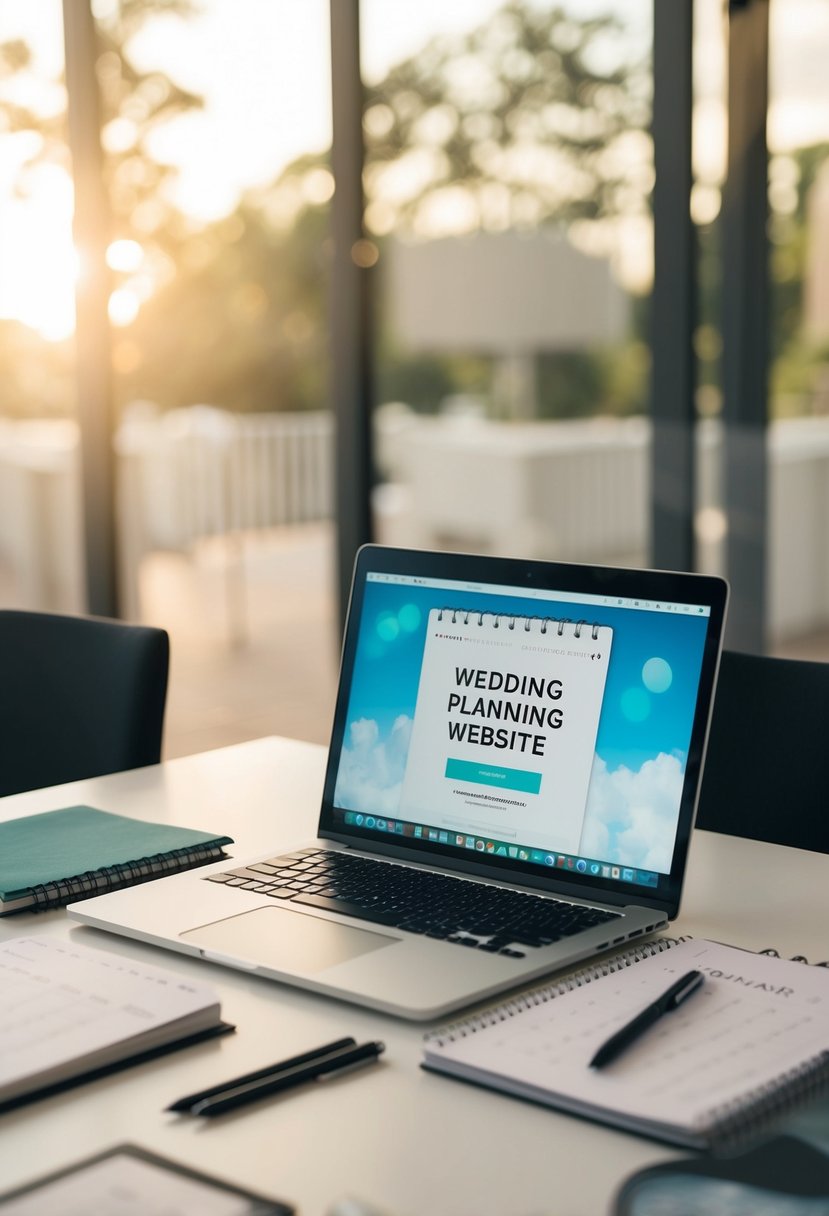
<point>631,816</point>
<point>371,768</point>
<point>364,733</point>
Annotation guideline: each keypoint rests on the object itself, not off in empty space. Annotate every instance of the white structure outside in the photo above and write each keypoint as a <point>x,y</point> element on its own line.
<point>501,293</point>
<point>576,491</point>
<point>511,295</point>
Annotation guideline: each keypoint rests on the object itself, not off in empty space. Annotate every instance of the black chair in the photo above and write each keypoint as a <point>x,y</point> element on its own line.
<point>766,774</point>
<point>79,697</point>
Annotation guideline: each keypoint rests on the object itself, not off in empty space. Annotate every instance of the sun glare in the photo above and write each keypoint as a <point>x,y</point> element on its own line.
<point>123,306</point>
<point>40,264</point>
<point>125,255</point>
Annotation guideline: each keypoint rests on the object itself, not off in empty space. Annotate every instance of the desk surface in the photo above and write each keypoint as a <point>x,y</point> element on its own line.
<point>403,1140</point>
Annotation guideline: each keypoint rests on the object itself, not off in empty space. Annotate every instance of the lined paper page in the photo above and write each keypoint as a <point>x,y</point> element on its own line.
<point>63,1004</point>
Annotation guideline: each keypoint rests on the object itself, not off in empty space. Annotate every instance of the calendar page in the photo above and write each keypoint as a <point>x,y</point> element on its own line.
<point>66,1008</point>
<point>505,725</point>
<point>755,1032</point>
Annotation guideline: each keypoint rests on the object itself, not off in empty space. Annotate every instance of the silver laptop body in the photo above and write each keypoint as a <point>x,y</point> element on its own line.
<point>511,785</point>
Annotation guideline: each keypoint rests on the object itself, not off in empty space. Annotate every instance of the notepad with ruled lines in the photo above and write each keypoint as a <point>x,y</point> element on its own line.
<point>752,1041</point>
<point>69,1012</point>
<point>53,858</point>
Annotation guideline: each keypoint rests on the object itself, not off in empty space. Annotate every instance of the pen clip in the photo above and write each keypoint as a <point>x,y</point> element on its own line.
<point>693,981</point>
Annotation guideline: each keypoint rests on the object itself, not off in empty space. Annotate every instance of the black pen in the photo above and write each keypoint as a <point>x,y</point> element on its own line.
<point>239,1095</point>
<point>318,1053</point>
<point>676,994</point>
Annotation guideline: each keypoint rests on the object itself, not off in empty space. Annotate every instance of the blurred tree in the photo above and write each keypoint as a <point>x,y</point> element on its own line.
<point>134,106</point>
<point>799,360</point>
<point>242,323</point>
<point>800,368</point>
<point>533,116</point>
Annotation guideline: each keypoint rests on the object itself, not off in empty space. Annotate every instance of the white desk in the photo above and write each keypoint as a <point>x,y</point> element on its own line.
<point>411,1143</point>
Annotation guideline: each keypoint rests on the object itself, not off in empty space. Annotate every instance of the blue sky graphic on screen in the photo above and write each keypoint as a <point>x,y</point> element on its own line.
<point>555,741</point>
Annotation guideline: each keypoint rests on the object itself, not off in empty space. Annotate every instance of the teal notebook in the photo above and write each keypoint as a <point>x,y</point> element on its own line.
<point>60,856</point>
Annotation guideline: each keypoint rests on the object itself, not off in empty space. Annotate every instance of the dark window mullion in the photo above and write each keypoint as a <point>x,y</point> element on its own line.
<point>92,336</point>
<point>674,298</point>
<point>746,325</point>
<point>351,394</point>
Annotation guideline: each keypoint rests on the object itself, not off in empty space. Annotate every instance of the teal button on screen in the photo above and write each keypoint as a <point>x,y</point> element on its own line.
<point>489,774</point>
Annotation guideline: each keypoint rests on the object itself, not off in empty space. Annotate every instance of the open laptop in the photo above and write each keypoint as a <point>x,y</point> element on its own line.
<point>511,785</point>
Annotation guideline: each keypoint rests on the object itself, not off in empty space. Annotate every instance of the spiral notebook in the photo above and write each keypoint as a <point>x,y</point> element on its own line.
<point>70,1013</point>
<point>754,1040</point>
<point>49,859</point>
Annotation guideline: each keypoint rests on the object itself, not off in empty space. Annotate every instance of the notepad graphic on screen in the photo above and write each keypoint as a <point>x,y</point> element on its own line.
<point>505,725</point>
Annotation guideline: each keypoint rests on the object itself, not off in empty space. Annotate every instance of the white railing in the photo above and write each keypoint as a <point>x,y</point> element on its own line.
<point>568,490</point>
<point>577,491</point>
<point>203,472</point>
<point>40,514</point>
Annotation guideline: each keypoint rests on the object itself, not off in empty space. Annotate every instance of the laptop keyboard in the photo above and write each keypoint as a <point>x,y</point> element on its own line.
<point>457,910</point>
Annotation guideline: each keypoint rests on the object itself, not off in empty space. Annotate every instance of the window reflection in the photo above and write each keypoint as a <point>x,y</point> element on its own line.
<point>508,176</point>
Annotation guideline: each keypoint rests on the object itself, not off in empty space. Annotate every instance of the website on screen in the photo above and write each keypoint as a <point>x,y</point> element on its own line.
<point>545,727</point>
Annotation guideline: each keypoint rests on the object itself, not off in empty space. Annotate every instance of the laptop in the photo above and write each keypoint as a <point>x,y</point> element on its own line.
<point>511,785</point>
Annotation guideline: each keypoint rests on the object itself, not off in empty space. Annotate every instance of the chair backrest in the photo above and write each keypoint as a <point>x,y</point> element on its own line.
<point>79,697</point>
<point>766,773</point>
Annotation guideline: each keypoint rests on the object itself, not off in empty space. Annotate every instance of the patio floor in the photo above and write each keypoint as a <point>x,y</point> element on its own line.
<point>254,645</point>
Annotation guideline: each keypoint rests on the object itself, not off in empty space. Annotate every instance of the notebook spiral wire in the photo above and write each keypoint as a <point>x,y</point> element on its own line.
<point>768,1102</point>
<point>540,996</point>
<point>547,992</point>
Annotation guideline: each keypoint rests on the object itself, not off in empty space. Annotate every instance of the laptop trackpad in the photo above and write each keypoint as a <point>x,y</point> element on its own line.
<point>286,941</point>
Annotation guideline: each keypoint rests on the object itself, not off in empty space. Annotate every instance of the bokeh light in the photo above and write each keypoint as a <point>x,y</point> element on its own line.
<point>657,675</point>
<point>636,704</point>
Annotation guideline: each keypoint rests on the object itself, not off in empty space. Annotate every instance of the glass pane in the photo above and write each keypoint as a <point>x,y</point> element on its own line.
<point>798,438</point>
<point>508,177</point>
<point>798,134</point>
<point>216,133</point>
<point>39,507</point>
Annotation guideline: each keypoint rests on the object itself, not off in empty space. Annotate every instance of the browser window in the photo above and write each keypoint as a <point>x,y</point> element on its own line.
<point>538,726</point>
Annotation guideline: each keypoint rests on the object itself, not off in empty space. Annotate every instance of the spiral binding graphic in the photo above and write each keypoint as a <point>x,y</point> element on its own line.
<point>540,996</point>
<point>128,873</point>
<point>467,614</point>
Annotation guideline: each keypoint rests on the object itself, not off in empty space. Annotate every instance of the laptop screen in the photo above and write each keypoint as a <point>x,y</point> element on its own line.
<point>537,717</point>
